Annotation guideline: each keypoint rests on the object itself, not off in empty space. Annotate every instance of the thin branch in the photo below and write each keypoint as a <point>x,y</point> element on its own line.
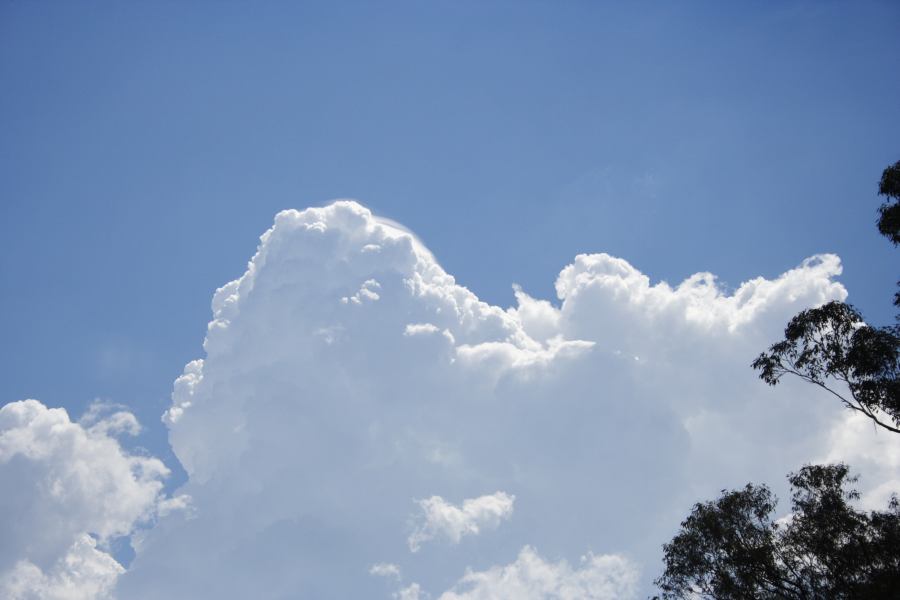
<point>857,406</point>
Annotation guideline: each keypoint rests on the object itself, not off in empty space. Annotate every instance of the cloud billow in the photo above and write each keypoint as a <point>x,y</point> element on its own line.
<point>69,489</point>
<point>347,376</point>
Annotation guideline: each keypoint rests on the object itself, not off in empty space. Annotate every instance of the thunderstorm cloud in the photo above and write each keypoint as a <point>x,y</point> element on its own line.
<point>360,425</point>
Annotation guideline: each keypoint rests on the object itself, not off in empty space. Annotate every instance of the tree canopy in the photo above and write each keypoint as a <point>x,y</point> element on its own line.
<point>832,344</point>
<point>889,212</point>
<point>734,548</point>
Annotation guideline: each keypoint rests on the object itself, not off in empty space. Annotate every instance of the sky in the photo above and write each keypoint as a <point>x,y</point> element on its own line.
<point>376,360</point>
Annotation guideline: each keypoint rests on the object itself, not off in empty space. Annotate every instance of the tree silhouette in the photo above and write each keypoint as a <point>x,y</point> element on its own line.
<point>733,549</point>
<point>832,343</point>
<point>889,212</point>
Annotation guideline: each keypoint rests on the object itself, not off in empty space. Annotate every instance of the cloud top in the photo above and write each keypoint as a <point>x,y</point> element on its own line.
<point>347,373</point>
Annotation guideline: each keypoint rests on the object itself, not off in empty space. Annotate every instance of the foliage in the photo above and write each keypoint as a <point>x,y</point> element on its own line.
<point>733,548</point>
<point>889,212</point>
<point>832,343</point>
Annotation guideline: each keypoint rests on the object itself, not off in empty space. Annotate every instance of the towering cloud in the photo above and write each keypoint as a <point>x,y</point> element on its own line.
<point>348,376</point>
<point>355,407</point>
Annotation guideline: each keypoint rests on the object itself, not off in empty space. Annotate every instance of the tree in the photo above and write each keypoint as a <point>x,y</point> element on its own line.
<point>889,212</point>
<point>733,548</point>
<point>833,344</point>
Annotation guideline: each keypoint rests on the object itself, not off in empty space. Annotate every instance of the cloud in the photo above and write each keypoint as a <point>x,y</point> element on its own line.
<point>82,573</point>
<point>870,451</point>
<point>385,570</point>
<point>411,592</point>
<point>68,490</point>
<point>530,577</point>
<point>312,421</point>
<point>442,519</point>
<point>117,420</point>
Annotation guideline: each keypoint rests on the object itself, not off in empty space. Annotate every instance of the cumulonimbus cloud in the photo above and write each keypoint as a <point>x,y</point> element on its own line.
<point>346,374</point>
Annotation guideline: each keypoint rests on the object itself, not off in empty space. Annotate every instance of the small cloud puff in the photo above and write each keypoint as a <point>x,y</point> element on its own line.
<point>385,570</point>
<point>442,519</point>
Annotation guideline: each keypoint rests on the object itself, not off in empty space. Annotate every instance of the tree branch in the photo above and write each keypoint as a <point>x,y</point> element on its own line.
<point>857,406</point>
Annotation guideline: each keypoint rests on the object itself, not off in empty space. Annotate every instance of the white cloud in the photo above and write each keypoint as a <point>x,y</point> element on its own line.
<point>68,490</point>
<point>442,519</point>
<point>411,592</point>
<point>868,450</point>
<point>311,422</point>
<point>385,570</point>
<point>83,573</point>
<point>530,577</point>
<point>109,419</point>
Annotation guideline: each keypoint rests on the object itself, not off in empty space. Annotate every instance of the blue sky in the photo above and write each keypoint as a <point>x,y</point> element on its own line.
<point>144,147</point>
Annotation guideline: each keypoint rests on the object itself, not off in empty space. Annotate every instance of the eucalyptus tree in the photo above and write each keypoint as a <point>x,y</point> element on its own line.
<point>834,348</point>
